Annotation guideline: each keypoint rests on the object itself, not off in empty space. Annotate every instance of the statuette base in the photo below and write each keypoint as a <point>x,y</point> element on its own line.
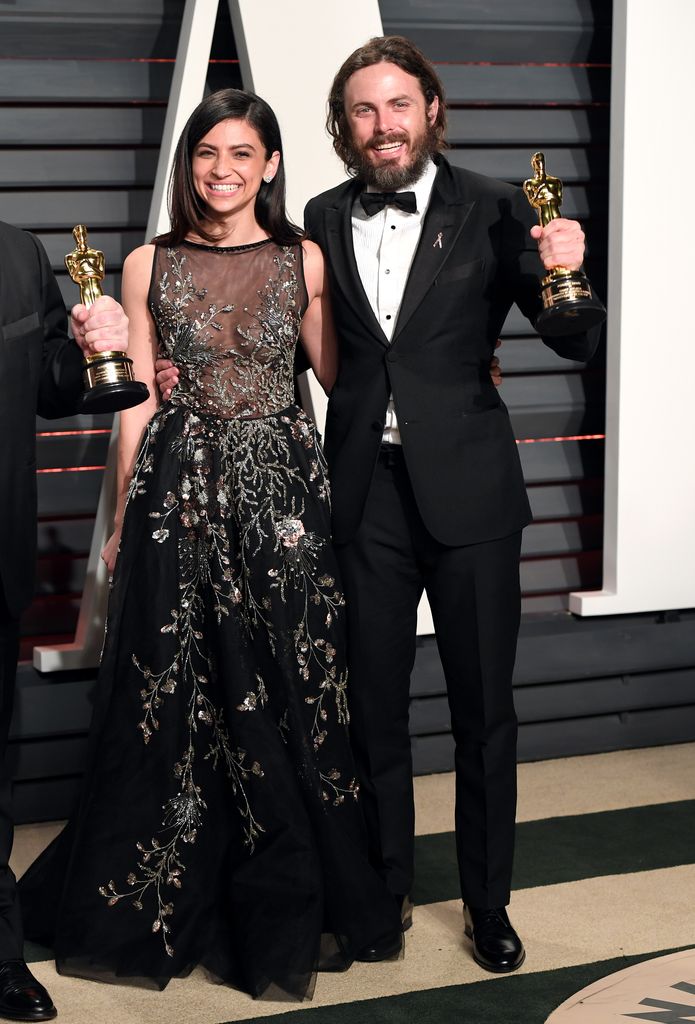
<point>569,304</point>
<point>109,384</point>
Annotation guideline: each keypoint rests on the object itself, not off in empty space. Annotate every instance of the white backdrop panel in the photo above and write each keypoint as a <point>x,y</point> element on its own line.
<point>649,534</point>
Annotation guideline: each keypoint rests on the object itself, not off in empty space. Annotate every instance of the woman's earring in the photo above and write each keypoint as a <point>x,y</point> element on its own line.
<point>267,178</point>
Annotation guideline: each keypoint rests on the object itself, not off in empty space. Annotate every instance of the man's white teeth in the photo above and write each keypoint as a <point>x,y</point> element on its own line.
<point>388,145</point>
<point>224,188</point>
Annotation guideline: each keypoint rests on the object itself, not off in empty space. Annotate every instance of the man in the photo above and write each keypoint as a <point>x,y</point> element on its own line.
<point>425,261</point>
<point>426,480</point>
<point>40,371</point>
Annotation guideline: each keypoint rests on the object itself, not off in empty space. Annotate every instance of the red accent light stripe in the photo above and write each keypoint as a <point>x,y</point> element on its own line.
<point>72,433</point>
<point>71,469</point>
<point>571,437</point>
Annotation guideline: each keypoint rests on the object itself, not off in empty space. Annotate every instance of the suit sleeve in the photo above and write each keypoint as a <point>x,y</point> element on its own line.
<point>60,386</point>
<point>524,270</point>
<point>311,220</point>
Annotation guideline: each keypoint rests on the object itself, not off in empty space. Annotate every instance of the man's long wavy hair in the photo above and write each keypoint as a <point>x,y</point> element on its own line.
<point>382,49</point>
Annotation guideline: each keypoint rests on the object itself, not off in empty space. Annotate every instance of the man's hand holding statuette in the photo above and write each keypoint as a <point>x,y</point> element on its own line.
<point>100,328</point>
<point>560,243</point>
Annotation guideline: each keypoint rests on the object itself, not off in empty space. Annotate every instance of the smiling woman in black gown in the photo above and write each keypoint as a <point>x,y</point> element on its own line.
<point>220,822</point>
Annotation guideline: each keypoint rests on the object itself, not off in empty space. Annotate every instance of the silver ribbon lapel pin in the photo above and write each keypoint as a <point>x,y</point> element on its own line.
<point>438,241</point>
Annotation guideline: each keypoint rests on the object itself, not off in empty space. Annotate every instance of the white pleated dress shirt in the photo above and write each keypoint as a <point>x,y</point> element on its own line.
<point>385,246</point>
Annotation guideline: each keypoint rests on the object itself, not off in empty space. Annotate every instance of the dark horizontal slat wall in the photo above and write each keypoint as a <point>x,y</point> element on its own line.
<point>503,31</point>
<point>83,94</point>
<point>580,687</point>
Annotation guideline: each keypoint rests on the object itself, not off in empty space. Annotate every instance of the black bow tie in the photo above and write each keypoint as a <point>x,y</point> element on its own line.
<point>372,202</point>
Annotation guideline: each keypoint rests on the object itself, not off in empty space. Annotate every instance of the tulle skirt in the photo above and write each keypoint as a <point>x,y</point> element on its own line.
<point>220,822</point>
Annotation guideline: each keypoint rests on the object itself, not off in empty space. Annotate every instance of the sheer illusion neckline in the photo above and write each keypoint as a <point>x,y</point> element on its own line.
<point>248,247</point>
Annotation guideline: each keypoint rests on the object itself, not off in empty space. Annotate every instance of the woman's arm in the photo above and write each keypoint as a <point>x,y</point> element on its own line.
<point>142,349</point>
<point>317,332</point>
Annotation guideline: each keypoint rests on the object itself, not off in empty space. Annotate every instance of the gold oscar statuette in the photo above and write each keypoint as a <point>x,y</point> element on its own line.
<point>569,302</point>
<point>108,376</point>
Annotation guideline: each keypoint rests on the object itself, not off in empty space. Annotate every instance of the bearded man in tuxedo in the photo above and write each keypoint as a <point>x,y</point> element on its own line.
<point>40,372</point>
<point>425,261</point>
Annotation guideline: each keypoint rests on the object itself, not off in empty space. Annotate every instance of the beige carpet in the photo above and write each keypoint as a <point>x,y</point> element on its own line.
<point>572,923</point>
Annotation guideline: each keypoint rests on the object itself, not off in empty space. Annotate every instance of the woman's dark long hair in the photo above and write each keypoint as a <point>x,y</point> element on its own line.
<point>187,210</point>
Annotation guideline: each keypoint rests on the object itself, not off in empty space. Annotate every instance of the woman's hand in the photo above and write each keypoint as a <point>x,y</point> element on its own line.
<point>495,368</point>
<point>110,551</point>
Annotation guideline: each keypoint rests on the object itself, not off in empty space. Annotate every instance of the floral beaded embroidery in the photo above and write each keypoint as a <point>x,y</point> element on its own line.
<point>247,371</point>
<point>241,496</point>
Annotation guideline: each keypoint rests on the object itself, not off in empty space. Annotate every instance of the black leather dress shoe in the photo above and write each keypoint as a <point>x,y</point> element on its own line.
<point>21,995</point>
<point>496,946</point>
<point>386,949</point>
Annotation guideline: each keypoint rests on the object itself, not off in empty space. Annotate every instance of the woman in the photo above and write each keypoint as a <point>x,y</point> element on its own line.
<point>220,823</point>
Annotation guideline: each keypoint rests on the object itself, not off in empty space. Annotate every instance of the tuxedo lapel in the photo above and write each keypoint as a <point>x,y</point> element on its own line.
<point>446,216</point>
<point>341,254</point>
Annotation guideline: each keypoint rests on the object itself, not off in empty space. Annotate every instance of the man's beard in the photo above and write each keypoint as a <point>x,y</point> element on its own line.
<point>389,177</point>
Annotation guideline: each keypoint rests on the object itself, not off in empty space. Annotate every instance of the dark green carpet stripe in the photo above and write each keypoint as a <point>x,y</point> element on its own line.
<point>519,999</point>
<point>567,849</point>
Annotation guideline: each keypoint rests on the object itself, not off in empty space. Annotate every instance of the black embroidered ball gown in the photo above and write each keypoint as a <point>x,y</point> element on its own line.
<point>219,823</point>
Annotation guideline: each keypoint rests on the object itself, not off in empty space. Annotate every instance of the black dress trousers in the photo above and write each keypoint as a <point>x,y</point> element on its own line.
<point>474,595</point>
<point>10,919</point>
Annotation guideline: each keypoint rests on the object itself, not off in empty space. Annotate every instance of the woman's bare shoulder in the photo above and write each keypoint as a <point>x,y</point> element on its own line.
<point>140,258</point>
<point>312,252</point>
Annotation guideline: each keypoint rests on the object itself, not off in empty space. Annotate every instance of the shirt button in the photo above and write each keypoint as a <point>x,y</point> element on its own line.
<point>388,316</point>
<point>387,271</point>
<point>393,227</point>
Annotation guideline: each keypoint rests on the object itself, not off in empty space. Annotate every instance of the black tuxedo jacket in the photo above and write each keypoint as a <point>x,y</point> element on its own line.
<point>40,371</point>
<point>458,443</point>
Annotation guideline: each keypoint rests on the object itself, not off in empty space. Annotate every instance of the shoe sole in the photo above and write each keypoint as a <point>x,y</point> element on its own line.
<point>6,1014</point>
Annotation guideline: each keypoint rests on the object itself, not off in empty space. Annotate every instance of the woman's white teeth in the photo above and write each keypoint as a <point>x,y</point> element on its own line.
<point>223,188</point>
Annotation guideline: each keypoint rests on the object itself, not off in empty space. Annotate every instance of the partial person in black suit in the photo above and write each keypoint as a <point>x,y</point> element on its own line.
<point>427,486</point>
<point>40,372</point>
<point>425,261</point>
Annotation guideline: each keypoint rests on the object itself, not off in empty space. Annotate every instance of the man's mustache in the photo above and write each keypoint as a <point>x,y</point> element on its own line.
<point>379,140</point>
